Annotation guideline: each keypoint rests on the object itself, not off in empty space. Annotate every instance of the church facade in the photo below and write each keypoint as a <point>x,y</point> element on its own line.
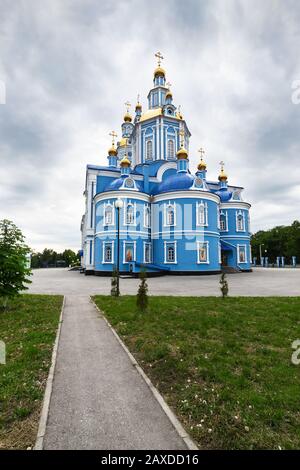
<point>148,210</point>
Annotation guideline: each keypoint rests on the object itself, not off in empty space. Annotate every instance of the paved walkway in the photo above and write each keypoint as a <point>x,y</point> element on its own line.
<point>261,282</point>
<point>99,401</point>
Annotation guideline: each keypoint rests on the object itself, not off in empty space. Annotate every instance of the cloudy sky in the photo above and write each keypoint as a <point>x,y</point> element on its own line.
<point>69,65</point>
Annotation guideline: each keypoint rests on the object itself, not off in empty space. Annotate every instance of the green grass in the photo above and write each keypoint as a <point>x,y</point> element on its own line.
<point>28,328</point>
<point>224,366</point>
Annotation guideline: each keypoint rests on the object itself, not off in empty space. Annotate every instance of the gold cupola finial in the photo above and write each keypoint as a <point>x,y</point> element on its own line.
<point>222,175</point>
<point>125,162</point>
<point>127,117</point>
<point>138,104</point>
<point>169,93</point>
<point>202,165</point>
<point>182,152</point>
<point>159,70</point>
<point>113,151</point>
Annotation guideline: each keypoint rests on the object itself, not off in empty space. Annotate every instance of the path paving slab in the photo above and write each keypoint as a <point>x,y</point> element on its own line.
<point>99,400</point>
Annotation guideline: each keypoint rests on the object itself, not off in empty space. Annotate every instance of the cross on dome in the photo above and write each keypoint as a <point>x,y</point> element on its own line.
<point>113,135</point>
<point>159,57</point>
<point>202,152</point>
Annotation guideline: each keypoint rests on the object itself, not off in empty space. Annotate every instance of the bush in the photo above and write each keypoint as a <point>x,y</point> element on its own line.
<point>142,295</point>
<point>224,285</point>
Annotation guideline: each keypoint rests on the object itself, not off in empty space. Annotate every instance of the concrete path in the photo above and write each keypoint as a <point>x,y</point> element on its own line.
<point>261,282</point>
<point>99,401</point>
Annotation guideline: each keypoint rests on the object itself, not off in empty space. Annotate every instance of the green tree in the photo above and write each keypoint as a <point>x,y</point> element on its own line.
<point>224,285</point>
<point>14,270</point>
<point>142,295</point>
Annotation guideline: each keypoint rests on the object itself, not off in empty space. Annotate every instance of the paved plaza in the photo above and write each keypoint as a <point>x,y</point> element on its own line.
<point>261,282</point>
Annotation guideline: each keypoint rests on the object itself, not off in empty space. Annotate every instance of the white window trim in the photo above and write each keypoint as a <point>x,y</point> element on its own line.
<point>170,139</point>
<point>174,243</point>
<point>224,213</point>
<point>124,251</point>
<point>207,252</point>
<point>238,254</point>
<point>220,253</point>
<point>129,203</point>
<point>147,207</point>
<point>112,252</point>
<point>166,206</point>
<point>204,204</point>
<point>150,245</point>
<point>105,206</point>
<point>149,140</point>
<point>237,214</point>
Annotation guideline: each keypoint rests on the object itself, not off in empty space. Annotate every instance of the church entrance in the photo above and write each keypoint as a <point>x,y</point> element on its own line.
<point>224,258</point>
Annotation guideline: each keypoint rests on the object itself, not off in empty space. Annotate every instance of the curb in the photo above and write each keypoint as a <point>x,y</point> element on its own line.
<point>47,396</point>
<point>173,419</point>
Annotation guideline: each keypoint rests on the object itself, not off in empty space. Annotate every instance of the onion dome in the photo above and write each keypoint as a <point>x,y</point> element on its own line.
<point>169,94</point>
<point>182,154</point>
<point>202,165</point>
<point>222,175</point>
<point>127,117</point>
<point>123,142</point>
<point>125,162</point>
<point>112,151</point>
<point>159,72</point>
<point>177,182</point>
<point>138,106</point>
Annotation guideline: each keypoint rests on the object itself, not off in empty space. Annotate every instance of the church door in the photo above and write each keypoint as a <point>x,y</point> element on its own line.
<point>224,258</point>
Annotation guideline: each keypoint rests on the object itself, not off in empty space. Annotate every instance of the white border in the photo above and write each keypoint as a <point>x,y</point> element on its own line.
<point>172,242</point>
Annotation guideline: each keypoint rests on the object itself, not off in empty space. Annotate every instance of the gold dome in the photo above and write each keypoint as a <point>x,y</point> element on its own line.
<point>125,162</point>
<point>182,154</point>
<point>222,175</point>
<point>169,94</point>
<point>112,151</point>
<point>202,165</point>
<point>127,117</point>
<point>159,71</point>
<point>138,106</point>
<point>123,142</point>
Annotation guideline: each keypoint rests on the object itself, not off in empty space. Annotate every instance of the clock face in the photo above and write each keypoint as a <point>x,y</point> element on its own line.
<point>129,183</point>
<point>198,182</point>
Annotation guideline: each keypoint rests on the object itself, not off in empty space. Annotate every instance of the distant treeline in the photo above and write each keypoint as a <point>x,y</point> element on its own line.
<point>50,258</point>
<point>279,241</point>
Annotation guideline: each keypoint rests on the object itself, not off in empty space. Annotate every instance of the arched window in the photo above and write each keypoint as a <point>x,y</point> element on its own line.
<point>130,214</point>
<point>240,226</point>
<point>149,150</point>
<point>223,222</point>
<point>171,153</point>
<point>171,254</point>
<point>108,215</point>
<point>147,217</point>
<point>170,216</point>
<point>201,214</point>
<point>108,253</point>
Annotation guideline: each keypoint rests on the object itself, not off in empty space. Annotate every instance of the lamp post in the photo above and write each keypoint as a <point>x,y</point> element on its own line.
<point>260,254</point>
<point>119,204</point>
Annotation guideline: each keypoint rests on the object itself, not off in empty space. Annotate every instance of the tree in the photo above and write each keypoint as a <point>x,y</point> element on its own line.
<point>14,270</point>
<point>142,295</point>
<point>224,285</point>
<point>115,292</point>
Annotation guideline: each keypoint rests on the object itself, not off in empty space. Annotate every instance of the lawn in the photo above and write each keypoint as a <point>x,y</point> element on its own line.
<point>28,328</point>
<point>224,366</point>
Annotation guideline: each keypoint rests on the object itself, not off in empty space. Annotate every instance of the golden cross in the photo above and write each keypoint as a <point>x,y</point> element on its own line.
<point>127,104</point>
<point>138,98</point>
<point>202,152</point>
<point>222,164</point>
<point>159,58</point>
<point>113,135</point>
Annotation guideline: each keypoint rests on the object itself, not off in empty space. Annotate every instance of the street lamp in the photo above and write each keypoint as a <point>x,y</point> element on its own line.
<point>260,254</point>
<point>119,204</point>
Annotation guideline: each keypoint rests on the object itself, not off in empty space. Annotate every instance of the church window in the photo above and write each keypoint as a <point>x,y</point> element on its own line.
<point>149,150</point>
<point>170,215</point>
<point>202,218</point>
<point>129,252</point>
<point>223,222</point>
<point>242,258</point>
<point>147,253</point>
<point>108,215</point>
<point>147,216</point>
<point>130,216</point>
<point>170,252</point>
<point>202,252</point>
<point>108,252</point>
<point>240,222</point>
<point>171,148</point>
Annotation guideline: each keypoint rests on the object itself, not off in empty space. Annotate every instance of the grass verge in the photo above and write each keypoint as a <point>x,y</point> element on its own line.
<point>224,366</point>
<point>28,329</point>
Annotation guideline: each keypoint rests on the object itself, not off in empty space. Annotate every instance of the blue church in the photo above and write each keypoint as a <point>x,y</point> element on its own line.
<point>148,210</point>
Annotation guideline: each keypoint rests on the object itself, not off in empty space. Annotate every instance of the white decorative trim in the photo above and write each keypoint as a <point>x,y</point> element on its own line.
<point>171,242</point>
<point>166,207</point>
<point>235,205</point>
<point>189,194</point>
<point>238,254</point>
<point>237,218</point>
<point>125,232</point>
<point>164,167</point>
<point>147,208</point>
<point>105,206</point>
<point>122,195</point>
<point>202,204</point>
<point>224,213</point>
<point>206,243</point>
<point>133,204</point>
